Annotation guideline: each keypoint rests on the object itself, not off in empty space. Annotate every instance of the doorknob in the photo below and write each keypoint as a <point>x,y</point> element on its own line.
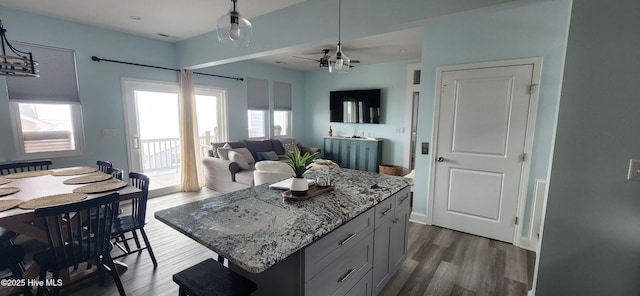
<point>440,159</point>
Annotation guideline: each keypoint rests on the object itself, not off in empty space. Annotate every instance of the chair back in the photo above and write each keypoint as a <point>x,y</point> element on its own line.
<point>104,166</point>
<point>139,204</point>
<point>79,231</point>
<point>17,167</point>
<point>116,173</point>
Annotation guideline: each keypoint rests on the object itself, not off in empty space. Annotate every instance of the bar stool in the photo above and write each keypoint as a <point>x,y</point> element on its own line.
<point>209,277</point>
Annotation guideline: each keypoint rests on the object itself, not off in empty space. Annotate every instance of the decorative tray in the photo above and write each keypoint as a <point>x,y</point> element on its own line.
<point>314,191</point>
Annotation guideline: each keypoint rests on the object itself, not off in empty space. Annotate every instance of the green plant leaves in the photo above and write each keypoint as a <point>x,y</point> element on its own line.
<point>299,162</point>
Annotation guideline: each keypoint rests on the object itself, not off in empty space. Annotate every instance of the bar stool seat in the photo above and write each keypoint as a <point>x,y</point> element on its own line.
<point>209,277</point>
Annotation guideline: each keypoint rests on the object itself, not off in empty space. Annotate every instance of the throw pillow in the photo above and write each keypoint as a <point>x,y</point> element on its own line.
<point>272,155</point>
<point>246,154</point>
<point>289,148</point>
<point>223,152</point>
<point>269,155</point>
<point>239,159</point>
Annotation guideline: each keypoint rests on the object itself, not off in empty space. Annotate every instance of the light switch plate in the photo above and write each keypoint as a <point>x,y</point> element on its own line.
<point>634,170</point>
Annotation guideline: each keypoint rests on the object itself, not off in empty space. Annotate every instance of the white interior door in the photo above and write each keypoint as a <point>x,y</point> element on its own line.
<point>480,145</point>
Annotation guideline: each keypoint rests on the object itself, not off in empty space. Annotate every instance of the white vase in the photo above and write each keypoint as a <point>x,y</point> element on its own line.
<point>299,186</point>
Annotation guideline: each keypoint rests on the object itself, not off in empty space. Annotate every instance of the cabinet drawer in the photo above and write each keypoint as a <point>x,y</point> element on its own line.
<point>344,272</point>
<point>362,287</point>
<point>384,211</point>
<point>403,199</point>
<point>318,255</point>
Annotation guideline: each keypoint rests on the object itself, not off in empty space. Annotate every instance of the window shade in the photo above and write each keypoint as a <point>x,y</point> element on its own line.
<point>257,94</point>
<point>281,96</point>
<point>57,82</point>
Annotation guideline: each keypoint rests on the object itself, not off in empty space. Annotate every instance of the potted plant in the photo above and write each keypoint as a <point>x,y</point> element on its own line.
<point>299,164</point>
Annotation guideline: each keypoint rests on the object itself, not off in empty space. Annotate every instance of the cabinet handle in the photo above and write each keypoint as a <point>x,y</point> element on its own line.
<point>405,198</point>
<point>387,211</point>
<point>346,276</point>
<point>395,220</point>
<point>346,240</point>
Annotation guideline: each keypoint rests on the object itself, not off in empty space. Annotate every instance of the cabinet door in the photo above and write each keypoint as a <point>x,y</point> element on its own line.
<point>364,156</point>
<point>328,148</point>
<point>399,232</point>
<point>382,246</point>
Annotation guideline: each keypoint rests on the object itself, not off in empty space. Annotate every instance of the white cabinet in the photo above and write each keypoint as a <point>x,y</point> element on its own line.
<point>390,238</point>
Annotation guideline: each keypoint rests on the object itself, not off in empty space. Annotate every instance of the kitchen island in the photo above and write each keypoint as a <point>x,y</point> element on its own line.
<point>295,248</point>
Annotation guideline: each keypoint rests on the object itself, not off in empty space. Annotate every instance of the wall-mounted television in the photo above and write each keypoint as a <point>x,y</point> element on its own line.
<point>355,106</point>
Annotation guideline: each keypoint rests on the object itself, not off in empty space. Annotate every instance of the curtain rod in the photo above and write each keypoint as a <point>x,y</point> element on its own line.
<point>97,59</point>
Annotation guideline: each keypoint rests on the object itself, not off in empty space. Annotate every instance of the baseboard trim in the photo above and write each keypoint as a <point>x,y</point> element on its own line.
<point>419,218</point>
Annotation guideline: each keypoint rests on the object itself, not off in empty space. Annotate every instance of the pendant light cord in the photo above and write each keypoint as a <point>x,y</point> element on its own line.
<point>339,17</point>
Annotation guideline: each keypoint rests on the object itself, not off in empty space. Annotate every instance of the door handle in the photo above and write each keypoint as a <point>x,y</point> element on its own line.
<point>440,159</point>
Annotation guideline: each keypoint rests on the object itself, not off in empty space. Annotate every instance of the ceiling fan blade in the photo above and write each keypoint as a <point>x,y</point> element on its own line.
<point>315,60</point>
<point>355,61</point>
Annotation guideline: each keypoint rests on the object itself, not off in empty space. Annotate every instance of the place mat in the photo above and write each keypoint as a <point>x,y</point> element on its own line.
<point>28,174</point>
<point>75,171</point>
<point>8,190</point>
<point>52,200</point>
<point>97,177</point>
<point>8,204</point>
<point>109,185</point>
<point>4,181</point>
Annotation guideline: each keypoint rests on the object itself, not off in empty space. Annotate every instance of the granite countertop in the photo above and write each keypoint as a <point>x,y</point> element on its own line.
<point>255,228</point>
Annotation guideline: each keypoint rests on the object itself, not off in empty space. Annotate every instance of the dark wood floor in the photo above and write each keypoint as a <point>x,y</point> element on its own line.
<point>439,261</point>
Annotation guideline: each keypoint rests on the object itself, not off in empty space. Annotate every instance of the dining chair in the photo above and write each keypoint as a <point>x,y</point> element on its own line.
<point>78,232</point>
<point>6,237</point>
<point>135,221</point>
<point>17,167</point>
<point>116,173</point>
<point>104,166</point>
<point>11,258</point>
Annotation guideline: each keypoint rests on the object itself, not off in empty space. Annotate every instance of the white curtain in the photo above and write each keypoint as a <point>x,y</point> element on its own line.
<point>192,178</point>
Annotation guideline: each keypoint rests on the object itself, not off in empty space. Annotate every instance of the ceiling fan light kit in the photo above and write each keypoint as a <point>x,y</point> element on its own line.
<point>339,63</point>
<point>14,62</point>
<point>234,30</point>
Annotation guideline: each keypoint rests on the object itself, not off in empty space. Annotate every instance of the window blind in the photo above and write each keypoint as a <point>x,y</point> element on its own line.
<point>281,96</point>
<point>257,94</point>
<point>57,82</point>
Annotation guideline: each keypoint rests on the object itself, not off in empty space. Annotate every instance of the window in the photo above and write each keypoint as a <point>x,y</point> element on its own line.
<point>47,127</point>
<point>258,107</point>
<point>257,123</point>
<point>281,123</point>
<point>45,111</point>
<point>282,109</point>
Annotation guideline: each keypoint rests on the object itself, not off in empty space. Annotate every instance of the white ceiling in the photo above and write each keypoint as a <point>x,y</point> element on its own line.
<point>184,19</point>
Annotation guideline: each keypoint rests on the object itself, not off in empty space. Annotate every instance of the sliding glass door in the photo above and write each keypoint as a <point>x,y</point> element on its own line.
<point>153,129</point>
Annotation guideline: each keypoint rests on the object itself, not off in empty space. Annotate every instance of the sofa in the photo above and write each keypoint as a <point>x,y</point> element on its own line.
<point>230,165</point>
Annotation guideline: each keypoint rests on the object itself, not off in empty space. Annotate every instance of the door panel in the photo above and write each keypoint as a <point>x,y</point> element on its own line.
<point>483,114</point>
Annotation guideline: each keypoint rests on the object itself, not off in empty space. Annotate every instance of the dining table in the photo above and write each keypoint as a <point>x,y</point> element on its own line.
<point>46,184</point>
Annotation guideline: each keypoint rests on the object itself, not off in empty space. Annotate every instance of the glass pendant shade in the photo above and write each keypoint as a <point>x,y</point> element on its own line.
<point>234,30</point>
<point>339,63</point>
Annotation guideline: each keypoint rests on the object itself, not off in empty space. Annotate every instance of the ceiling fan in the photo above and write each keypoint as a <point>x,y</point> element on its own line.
<point>324,59</point>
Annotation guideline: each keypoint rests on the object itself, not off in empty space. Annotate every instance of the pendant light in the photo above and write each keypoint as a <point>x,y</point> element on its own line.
<point>339,63</point>
<point>16,62</point>
<point>234,30</point>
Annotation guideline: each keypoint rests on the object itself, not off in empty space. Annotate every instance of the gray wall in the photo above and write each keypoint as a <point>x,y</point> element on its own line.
<point>591,238</point>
